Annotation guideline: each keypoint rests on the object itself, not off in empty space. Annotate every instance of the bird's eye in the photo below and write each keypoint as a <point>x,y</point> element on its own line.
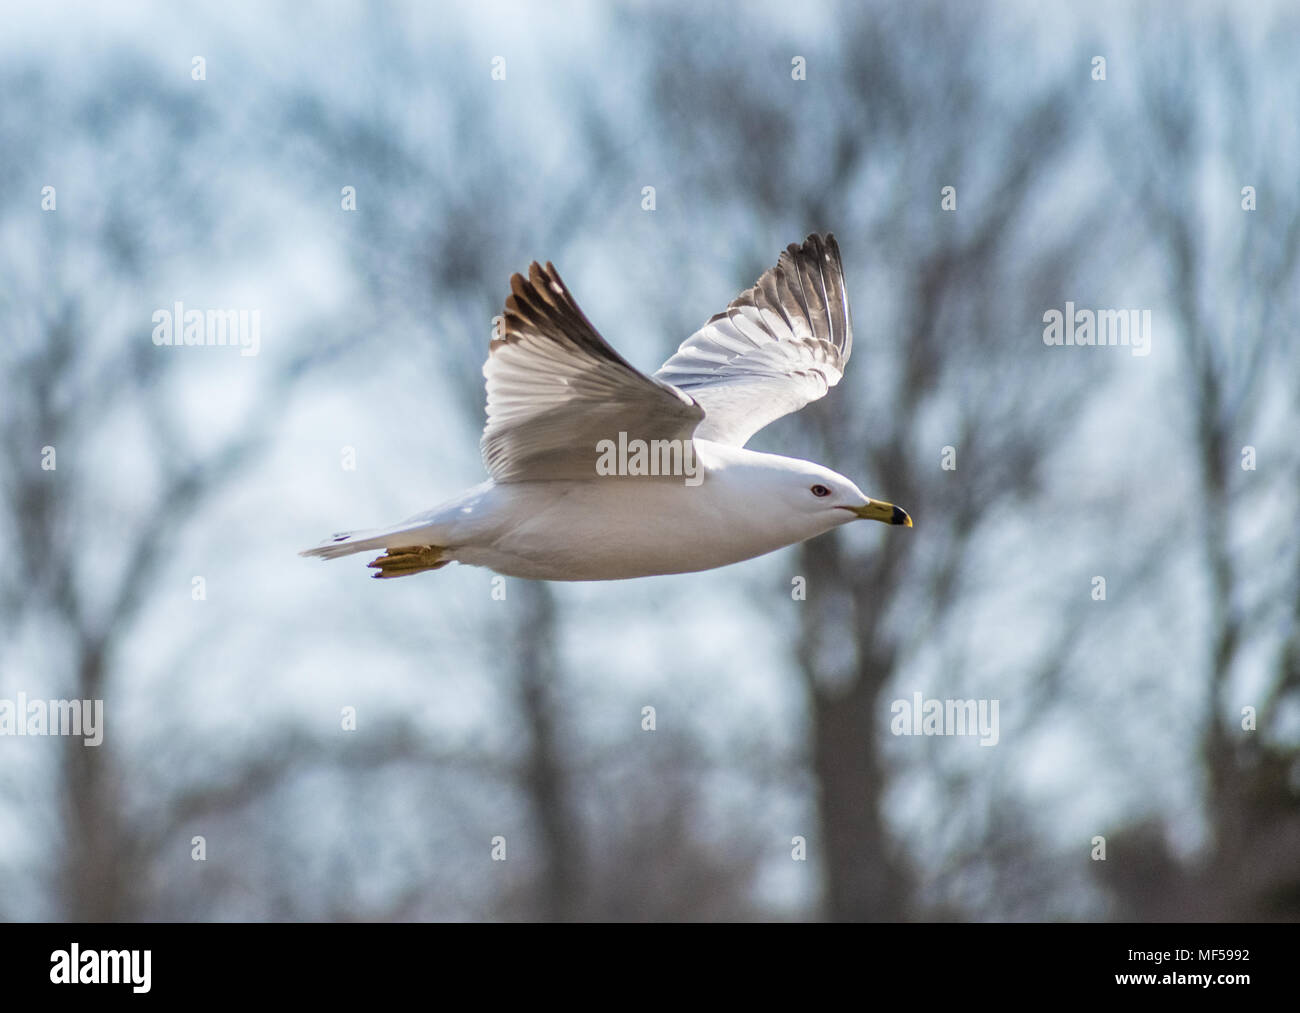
<point>820,490</point>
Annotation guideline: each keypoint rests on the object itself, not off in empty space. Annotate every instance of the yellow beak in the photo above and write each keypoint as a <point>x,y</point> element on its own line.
<point>887,513</point>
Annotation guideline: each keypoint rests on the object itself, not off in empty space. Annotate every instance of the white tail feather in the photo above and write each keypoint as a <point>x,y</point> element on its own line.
<point>348,542</point>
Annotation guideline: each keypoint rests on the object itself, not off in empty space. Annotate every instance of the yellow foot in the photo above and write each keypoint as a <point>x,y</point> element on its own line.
<point>408,560</point>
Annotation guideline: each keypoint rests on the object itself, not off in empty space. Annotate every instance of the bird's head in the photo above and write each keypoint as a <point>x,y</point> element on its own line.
<point>832,499</point>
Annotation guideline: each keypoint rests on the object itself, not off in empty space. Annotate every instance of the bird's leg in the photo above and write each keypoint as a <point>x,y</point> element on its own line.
<point>409,559</point>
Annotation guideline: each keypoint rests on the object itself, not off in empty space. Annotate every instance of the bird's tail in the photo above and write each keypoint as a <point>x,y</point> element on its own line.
<point>408,549</point>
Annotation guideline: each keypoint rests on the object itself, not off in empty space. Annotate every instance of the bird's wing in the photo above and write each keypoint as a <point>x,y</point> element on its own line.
<point>555,389</point>
<point>778,346</point>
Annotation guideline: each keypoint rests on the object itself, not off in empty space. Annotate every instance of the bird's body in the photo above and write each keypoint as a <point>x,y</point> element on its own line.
<point>560,400</point>
<point>618,527</point>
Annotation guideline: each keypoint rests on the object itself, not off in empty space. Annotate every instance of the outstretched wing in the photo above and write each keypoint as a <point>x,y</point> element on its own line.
<point>555,389</point>
<point>778,346</point>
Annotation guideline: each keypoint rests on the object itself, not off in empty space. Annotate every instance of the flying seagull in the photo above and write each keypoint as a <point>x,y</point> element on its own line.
<point>600,472</point>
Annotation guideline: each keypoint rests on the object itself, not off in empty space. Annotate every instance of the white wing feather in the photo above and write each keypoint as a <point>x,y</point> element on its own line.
<point>778,346</point>
<point>555,389</point>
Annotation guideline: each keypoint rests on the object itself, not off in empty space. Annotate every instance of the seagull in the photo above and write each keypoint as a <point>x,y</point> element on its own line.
<point>600,472</point>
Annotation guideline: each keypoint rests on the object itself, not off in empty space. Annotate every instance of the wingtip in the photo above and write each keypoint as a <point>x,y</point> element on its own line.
<point>537,275</point>
<point>818,246</point>
<point>821,241</point>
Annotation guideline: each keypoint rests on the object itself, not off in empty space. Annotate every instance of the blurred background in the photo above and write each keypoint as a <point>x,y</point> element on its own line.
<point>202,156</point>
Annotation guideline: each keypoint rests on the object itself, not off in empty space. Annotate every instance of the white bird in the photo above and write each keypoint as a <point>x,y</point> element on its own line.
<point>600,472</point>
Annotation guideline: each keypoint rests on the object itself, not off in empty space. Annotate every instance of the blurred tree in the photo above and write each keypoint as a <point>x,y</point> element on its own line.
<point>82,377</point>
<point>1202,124</point>
<point>933,356</point>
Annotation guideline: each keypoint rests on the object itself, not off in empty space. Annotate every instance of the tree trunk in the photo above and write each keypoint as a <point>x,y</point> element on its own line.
<point>545,779</point>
